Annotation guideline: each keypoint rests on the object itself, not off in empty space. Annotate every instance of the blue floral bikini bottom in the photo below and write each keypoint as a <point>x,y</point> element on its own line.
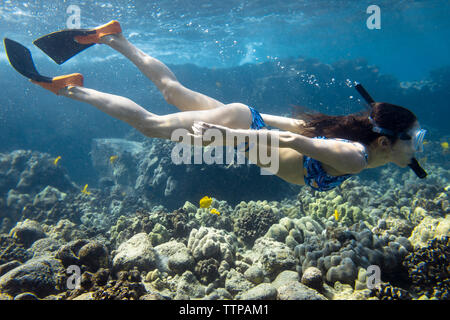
<point>257,120</point>
<point>257,123</point>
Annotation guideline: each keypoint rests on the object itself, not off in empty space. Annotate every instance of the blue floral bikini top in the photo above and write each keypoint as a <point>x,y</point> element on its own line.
<point>317,178</point>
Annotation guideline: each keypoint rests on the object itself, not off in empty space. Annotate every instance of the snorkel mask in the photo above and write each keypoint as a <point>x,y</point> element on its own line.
<point>416,136</point>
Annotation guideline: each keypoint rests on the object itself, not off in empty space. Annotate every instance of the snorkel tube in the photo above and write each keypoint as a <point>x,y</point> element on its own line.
<point>414,165</point>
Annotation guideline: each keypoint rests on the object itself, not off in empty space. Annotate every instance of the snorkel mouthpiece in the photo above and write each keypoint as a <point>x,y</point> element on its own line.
<point>418,137</point>
<point>418,170</point>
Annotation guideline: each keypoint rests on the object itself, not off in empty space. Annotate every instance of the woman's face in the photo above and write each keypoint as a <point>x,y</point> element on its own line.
<point>403,150</point>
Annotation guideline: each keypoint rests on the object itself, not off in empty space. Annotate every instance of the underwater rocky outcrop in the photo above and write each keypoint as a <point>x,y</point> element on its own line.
<point>310,245</point>
<point>24,176</point>
<point>147,171</point>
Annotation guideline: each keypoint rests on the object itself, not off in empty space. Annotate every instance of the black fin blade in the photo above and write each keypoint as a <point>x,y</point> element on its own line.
<point>61,45</point>
<point>21,60</point>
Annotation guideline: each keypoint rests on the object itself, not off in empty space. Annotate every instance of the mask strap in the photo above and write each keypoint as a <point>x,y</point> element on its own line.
<point>387,132</point>
<point>380,130</point>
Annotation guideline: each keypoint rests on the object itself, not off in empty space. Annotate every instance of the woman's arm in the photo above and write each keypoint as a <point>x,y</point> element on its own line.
<point>343,156</point>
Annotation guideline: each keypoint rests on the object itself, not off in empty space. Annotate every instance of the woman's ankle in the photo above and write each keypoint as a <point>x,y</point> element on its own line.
<point>113,39</point>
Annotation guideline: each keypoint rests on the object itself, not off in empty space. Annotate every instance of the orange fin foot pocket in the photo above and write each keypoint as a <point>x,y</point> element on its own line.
<point>112,27</point>
<point>61,82</point>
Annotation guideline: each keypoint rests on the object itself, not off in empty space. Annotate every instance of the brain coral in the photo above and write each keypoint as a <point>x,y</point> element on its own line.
<point>253,220</point>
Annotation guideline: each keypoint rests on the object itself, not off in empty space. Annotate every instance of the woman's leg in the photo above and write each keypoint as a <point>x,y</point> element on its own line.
<point>235,115</point>
<point>174,92</point>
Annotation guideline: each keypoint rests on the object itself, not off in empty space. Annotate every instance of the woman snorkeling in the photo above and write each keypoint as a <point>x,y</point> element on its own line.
<point>319,150</point>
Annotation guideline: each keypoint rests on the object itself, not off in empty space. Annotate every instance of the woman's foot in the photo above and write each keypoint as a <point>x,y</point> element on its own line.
<point>62,82</point>
<point>111,39</point>
<point>111,28</point>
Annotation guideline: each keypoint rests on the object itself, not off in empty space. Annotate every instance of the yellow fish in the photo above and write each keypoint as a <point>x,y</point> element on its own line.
<point>55,162</point>
<point>112,159</point>
<point>444,145</point>
<point>205,202</point>
<point>214,211</point>
<point>85,190</point>
<point>336,214</point>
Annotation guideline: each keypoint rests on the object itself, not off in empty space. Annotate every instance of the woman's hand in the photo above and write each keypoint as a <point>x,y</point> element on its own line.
<point>207,132</point>
<point>265,137</point>
<point>199,128</point>
<point>229,136</point>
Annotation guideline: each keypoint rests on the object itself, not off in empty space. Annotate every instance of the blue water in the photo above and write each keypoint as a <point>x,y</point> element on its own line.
<point>412,42</point>
<point>413,38</point>
<point>269,54</point>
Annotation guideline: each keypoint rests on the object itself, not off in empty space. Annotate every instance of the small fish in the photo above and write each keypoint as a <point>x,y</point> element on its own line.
<point>205,202</point>
<point>55,162</point>
<point>85,190</point>
<point>444,146</point>
<point>214,211</point>
<point>112,159</point>
<point>336,214</point>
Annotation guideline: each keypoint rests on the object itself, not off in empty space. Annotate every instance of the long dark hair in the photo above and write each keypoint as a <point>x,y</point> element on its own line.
<point>357,126</point>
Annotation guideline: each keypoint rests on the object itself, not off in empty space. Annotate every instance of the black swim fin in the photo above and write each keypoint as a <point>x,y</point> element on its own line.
<point>21,60</point>
<point>61,45</point>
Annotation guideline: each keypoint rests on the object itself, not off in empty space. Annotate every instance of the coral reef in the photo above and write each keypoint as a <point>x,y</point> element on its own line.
<point>127,286</point>
<point>272,257</point>
<point>385,291</point>
<point>312,277</point>
<point>214,253</point>
<point>136,252</point>
<point>11,250</point>
<point>253,219</point>
<point>429,228</point>
<point>38,276</point>
<point>429,270</point>
<point>340,253</point>
<point>296,248</point>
